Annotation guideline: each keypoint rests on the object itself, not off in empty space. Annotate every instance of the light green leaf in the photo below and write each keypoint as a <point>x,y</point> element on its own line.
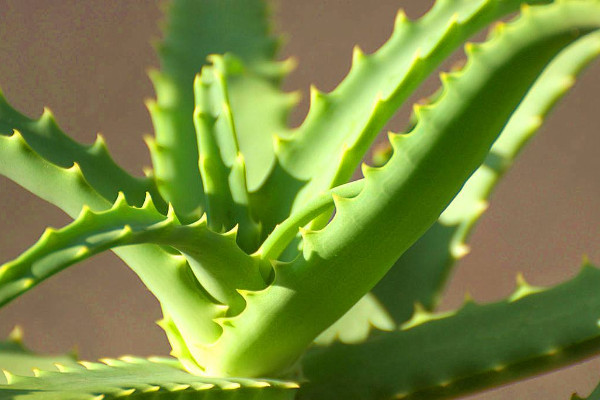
<point>222,165</point>
<point>16,358</point>
<point>420,273</point>
<point>401,200</point>
<point>45,137</point>
<point>154,378</point>
<point>194,30</point>
<point>24,166</point>
<point>219,264</point>
<point>376,86</point>
<point>162,273</point>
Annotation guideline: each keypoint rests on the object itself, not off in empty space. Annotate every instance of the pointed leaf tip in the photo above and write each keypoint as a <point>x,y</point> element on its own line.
<point>16,335</point>
<point>99,145</point>
<point>460,250</point>
<point>47,117</point>
<point>10,378</point>
<point>421,315</point>
<point>468,300</point>
<point>120,201</point>
<point>171,215</point>
<point>523,289</point>
<point>75,169</point>
<point>148,203</point>
<point>151,389</point>
<point>60,367</point>
<point>316,96</point>
<point>125,393</point>
<point>233,232</point>
<point>357,55</point>
<point>401,19</point>
<point>231,386</point>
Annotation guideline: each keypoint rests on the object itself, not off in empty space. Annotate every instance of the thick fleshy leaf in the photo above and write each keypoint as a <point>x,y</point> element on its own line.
<point>45,137</point>
<point>437,356</point>
<point>194,30</point>
<point>154,378</point>
<point>161,271</point>
<point>222,165</point>
<point>23,165</point>
<point>220,266</point>
<point>18,359</point>
<point>419,275</point>
<point>355,112</point>
<point>401,200</point>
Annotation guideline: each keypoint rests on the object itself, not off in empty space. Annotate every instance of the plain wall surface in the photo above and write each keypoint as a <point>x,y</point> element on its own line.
<point>87,59</point>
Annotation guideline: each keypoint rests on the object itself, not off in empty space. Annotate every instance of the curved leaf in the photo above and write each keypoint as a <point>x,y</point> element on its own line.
<point>220,266</point>
<point>376,86</point>
<point>21,164</point>
<point>162,273</point>
<point>194,30</point>
<point>479,346</point>
<point>153,378</point>
<point>401,200</point>
<point>45,137</point>
<point>420,273</point>
<point>222,165</point>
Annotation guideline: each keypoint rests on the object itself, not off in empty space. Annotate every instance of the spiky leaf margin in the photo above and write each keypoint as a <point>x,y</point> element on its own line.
<point>438,356</point>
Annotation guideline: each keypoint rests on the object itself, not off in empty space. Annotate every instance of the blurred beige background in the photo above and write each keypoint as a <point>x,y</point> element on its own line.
<point>86,60</point>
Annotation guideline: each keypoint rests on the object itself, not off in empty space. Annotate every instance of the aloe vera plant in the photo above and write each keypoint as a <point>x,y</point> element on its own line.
<point>277,276</point>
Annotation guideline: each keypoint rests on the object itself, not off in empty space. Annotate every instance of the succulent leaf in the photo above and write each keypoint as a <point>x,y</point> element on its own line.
<point>153,378</point>
<point>420,273</point>
<point>23,165</point>
<point>446,355</point>
<point>194,30</point>
<point>45,137</point>
<point>222,165</point>
<point>376,86</point>
<point>220,266</point>
<point>233,176</point>
<point>284,233</point>
<point>401,200</point>
<point>20,361</point>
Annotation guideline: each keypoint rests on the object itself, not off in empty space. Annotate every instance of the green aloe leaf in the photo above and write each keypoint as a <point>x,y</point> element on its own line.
<point>218,263</point>
<point>24,166</point>
<point>478,346</point>
<point>18,359</point>
<point>194,30</point>
<point>419,275</point>
<point>45,137</point>
<point>222,165</point>
<point>370,231</point>
<point>154,378</point>
<point>376,86</point>
<point>162,272</point>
